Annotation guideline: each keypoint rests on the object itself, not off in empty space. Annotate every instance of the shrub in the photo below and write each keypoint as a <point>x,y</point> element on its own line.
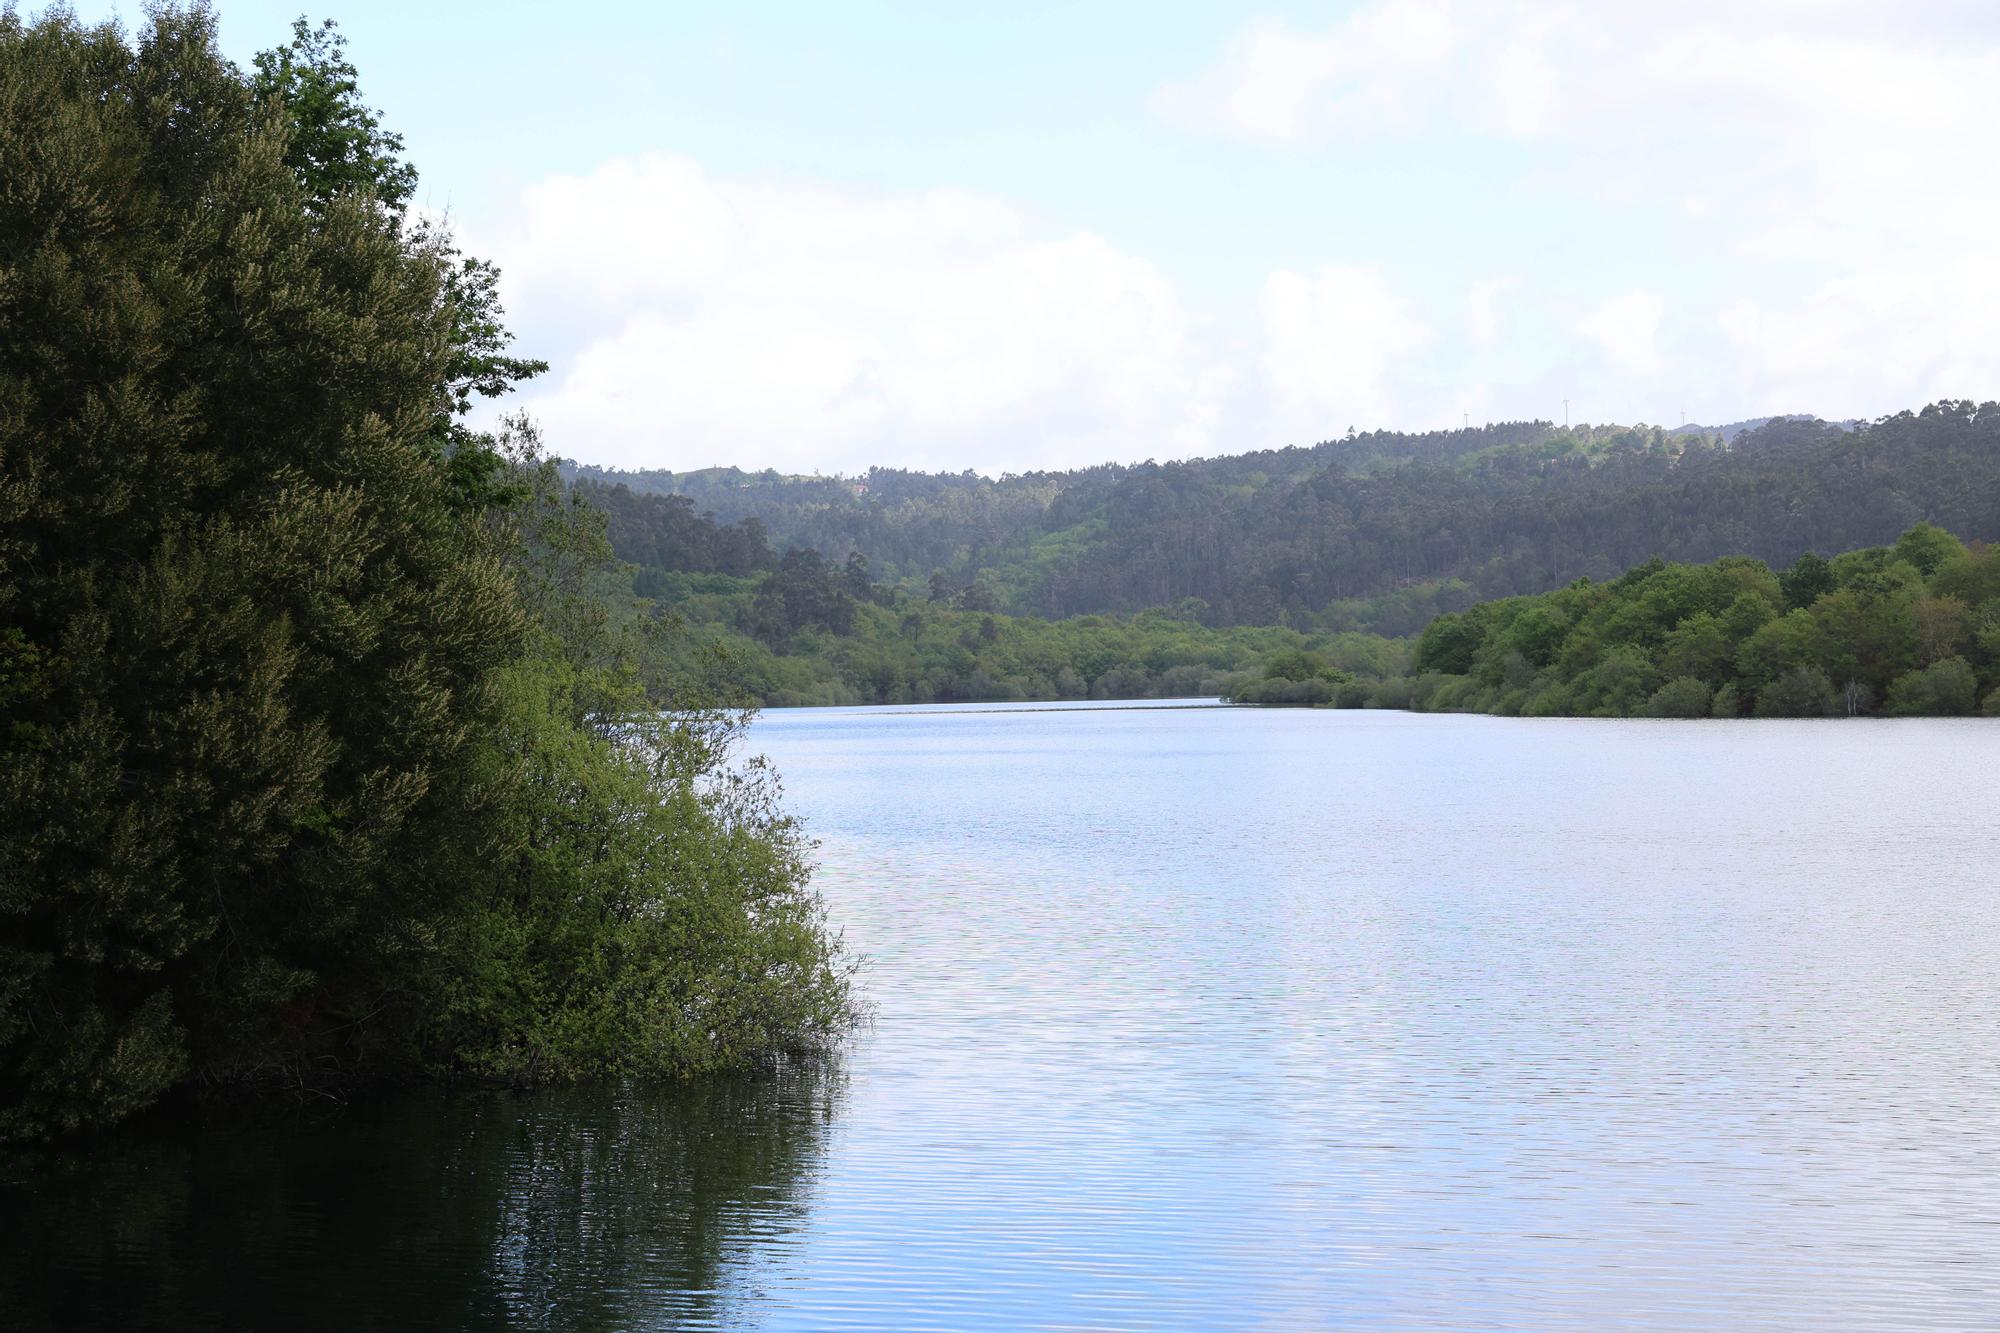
<point>1353,694</point>
<point>1281,691</point>
<point>1684,696</point>
<point>1397,692</point>
<point>1550,700</point>
<point>1799,692</point>
<point>1942,689</point>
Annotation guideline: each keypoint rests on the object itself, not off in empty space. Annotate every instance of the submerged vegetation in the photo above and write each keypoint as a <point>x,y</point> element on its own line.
<point>322,758</point>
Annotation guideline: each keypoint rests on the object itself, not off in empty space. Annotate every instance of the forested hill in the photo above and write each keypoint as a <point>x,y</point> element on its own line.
<point>1299,535</point>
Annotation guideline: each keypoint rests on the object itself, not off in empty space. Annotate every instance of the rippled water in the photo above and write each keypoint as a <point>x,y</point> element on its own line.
<point>1223,1018</point>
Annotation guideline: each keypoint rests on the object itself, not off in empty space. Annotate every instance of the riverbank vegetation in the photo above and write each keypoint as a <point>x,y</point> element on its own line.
<point>321,755</point>
<point>798,628</point>
<point>886,648</point>
<point>1905,627</point>
<point>1908,629</point>
<point>1290,576</point>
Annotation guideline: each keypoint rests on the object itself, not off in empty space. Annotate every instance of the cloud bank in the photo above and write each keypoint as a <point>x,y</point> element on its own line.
<point>730,321</point>
<point>1819,178</point>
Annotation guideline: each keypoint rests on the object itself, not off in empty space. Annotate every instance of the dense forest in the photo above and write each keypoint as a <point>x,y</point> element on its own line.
<point>798,629</point>
<point>320,756</point>
<point>1909,629</point>
<point>1376,532</point>
<point>786,624</point>
<point>800,635</point>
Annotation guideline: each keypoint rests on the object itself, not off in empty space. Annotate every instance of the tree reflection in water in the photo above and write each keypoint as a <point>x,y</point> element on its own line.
<point>571,1209</point>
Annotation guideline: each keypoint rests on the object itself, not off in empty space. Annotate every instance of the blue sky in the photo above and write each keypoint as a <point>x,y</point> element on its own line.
<point>823,236</point>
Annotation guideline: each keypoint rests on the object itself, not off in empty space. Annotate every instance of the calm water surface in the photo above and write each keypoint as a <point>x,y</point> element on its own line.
<point>1221,1018</point>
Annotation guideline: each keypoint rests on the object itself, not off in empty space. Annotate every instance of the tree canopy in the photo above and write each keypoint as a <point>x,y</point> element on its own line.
<point>1911,628</point>
<point>319,754</point>
<point>1381,531</point>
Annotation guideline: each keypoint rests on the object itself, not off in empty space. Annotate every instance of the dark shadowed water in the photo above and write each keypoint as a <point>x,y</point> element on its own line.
<point>1193,1018</point>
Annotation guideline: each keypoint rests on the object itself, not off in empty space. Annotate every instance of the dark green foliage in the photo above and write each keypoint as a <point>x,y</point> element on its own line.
<point>801,593</point>
<point>648,913</point>
<point>338,148</point>
<point>854,580</point>
<point>1669,640</point>
<point>808,632</point>
<point>1279,690</point>
<point>1381,532</point>
<point>1942,689</point>
<point>281,710</point>
<point>1295,665</point>
<point>1799,692</point>
<point>1808,579</point>
<point>240,788</point>
<point>335,145</point>
<point>1449,644</point>
<point>1297,676</point>
<point>663,532</point>
<point>902,650</point>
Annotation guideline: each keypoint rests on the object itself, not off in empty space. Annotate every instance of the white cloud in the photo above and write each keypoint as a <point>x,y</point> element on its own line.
<point>1482,308</point>
<point>1626,327</point>
<point>1276,83</point>
<point>1932,332</point>
<point>789,325</point>
<point>1337,345</point>
<point>1806,182</point>
<point>1828,161</point>
<point>1584,71</point>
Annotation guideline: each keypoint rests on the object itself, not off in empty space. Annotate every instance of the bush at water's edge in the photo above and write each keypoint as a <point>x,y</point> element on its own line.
<point>1911,629</point>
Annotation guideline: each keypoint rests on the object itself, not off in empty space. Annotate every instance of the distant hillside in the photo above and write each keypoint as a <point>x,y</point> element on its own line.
<point>1730,430</point>
<point>1300,535</point>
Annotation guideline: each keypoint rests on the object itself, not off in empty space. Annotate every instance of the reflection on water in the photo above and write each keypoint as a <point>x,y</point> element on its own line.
<point>556,1210</point>
<point>1223,1019</point>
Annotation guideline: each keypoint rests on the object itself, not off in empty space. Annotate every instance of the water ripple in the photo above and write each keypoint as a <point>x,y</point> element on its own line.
<point>1224,1019</point>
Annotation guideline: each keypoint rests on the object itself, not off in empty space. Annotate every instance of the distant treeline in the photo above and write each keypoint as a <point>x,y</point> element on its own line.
<point>1909,629</point>
<point>1373,532</point>
<point>808,633</point>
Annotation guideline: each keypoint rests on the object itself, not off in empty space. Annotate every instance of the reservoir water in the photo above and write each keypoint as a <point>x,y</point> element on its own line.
<point>1218,1018</point>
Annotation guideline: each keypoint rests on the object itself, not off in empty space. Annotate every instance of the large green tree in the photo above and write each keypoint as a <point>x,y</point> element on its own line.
<point>294,738</point>
<point>237,791</point>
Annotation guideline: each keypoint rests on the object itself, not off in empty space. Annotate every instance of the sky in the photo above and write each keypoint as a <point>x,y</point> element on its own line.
<point>1005,237</point>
